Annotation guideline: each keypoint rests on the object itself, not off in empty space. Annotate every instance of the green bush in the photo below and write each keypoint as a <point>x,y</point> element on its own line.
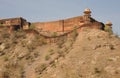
<point>51,51</point>
<point>54,34</point>
<point>32,26</point>
<point>40,68</point>
<point>6,58</point>
<point>74,33</point>
<point>1,24</point>
<point>47,57</point>
<point>61,41</point>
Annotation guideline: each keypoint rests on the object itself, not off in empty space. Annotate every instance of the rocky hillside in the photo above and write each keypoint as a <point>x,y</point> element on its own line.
<point>90,54</point>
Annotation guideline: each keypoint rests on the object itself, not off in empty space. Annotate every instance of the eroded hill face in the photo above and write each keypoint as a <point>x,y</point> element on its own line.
<point>28,55</point>
<point>92,54</point>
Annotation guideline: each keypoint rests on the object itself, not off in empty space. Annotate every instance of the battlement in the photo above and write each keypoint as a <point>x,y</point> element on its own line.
<point>66,25</point>
<point>59,26</point>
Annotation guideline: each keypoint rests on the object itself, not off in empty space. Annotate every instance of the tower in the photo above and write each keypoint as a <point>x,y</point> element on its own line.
<point>108,27</point>
<point>87,12</point>
<point>87,15</point>
<point>109,24</point>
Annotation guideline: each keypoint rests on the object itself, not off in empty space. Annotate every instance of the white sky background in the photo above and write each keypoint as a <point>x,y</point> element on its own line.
<point>48,10</point>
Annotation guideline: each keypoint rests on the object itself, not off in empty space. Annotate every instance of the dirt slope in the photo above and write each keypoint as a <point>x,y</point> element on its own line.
<point>91,54</point>
<point>95,54</point>
<point>28,55</point>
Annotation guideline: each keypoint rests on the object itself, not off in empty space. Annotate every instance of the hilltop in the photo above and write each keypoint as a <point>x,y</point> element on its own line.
<point>78,47</point>
<point>92,53</point>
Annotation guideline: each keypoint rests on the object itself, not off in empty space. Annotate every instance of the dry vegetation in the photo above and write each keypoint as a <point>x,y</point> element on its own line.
<point>91,54</point>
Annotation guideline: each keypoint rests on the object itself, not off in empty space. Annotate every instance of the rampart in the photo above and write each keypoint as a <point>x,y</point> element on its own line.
<point>66,25</point>
<point>60,25</point>
<point>52,27</point>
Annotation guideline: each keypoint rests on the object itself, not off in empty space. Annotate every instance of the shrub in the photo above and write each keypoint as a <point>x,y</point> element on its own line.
<point>42,41</point>
<point>61,53</point>
<point>40,68</point>
<point>22,72</point>
<point>32,26</point>
<point>51,51</point>
<point>39,40</point>
<point>61,41</point>
<point>1,24</point>
<point>97,70</point>
<point>6,58</point>
<point>36,54</point>
<point>30,47</point>
<point>74,33</point>
<point>54,34</point>
<point>47,57</point>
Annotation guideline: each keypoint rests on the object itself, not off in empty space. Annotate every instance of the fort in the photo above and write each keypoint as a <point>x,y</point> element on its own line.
<point>14,24</point>
<point>60,26</point>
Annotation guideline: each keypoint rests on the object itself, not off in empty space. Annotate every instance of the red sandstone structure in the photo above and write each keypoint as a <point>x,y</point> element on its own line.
<point>60,26</point>
<point>14,24</point>
<point>66,25</point>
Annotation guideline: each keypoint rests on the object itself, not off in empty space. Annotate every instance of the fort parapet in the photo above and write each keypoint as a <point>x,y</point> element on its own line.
<point>59,26</point>
<point>66,25</point>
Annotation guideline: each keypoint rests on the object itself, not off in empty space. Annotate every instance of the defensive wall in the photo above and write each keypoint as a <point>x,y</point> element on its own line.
<point>66,25</point>
<point>60,25</point>
<point>53,30</point>
<point>47,29</point>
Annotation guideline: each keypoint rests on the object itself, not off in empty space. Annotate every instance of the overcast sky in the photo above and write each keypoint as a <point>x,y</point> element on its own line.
<point>48,10</point>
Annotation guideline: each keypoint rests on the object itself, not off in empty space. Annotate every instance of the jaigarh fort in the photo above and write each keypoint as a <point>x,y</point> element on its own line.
<point>60,27</point>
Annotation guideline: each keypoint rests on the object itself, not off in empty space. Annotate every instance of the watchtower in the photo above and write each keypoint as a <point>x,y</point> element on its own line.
<point>87,15</point>
<point>87,12</point>
<point>109,24</point>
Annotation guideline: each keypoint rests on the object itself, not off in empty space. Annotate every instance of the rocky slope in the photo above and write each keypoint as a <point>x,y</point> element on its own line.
<point>92,54</point>
<point>95,54</point>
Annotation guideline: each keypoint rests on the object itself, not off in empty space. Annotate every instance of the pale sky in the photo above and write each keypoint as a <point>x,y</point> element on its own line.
<point>48,10</point>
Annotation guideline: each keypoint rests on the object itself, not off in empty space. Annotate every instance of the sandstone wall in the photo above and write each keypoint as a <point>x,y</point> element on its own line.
<point>60,25</point>
<point>49,26</point>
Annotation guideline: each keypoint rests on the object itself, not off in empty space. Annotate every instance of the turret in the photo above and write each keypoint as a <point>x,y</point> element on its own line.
<point>87,12</point>
<point>109,23</point>
<point>108,27</point>
<point>87,15</point>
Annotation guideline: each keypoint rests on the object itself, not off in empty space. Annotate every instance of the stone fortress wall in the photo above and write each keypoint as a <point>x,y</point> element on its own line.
<point>59,26</point>
<point>66,25</point>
